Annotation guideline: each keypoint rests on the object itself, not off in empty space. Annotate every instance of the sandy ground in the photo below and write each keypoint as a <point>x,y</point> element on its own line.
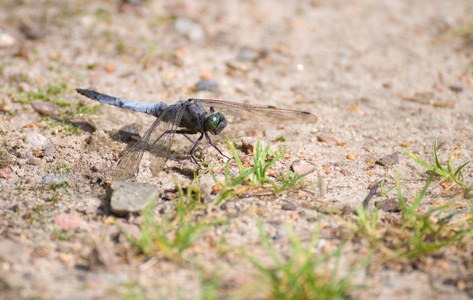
<point>379,75</point>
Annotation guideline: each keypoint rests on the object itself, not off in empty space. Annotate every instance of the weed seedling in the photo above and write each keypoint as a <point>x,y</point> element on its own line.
<point>259,170</point>
<point>300,277</point>
<point>47,93</point>
<point>291,180</point>
<point>367,225</point>
<point>381,188</point>
<point>229,188</point>
<point>261,167</point>
<point>416,234</point>
<point>424,233</point>
<point>63,168</point>
<point>447,173</point>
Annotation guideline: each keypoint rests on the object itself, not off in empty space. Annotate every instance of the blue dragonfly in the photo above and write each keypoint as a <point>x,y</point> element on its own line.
<point>188,117</point>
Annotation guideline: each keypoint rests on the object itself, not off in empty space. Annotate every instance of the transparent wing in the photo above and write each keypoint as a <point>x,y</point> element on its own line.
<point>258,113</point>
<point>157,141</point>
<point>160,145</point>
<point>129,164</point>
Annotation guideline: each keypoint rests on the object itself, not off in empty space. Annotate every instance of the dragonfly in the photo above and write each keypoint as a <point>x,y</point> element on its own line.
<point>188,117</point>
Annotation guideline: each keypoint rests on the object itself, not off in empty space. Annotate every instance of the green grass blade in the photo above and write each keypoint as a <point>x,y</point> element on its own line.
<point>440,171</point>
<point>458,174</point>
<point>436,159</point>
<point>451,160</point>
<point>419,197</point>
<point>235,155</point>
<point>402,201</point>
<point>274,160</point>
<point>242,176</point>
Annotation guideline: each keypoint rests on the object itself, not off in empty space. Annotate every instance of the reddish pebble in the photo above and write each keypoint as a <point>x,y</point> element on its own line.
<point>327,139</point>
<point>301,167</point>
<point>352,156</point>
<point>110,68</point>
<point>93,74</point>
<point>5,173</point>
<point>68,221</point>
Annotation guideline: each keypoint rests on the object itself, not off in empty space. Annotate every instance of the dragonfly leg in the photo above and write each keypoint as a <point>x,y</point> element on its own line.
<point>210,142</point>
<point>183,132</point>
<point>187,137</point>
<point>195,146</point>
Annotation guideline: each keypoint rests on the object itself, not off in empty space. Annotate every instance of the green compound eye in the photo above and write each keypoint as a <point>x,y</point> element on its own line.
<point>215,123</point>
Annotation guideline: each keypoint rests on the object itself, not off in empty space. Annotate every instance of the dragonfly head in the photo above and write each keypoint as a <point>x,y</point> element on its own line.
<point>215,123</point>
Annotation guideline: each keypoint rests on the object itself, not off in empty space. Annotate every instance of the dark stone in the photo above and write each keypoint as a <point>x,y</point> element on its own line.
<point>389,160</point>
<point>207,85</point>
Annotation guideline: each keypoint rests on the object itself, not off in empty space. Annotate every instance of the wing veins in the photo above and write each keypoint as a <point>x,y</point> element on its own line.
<point>262,113</point>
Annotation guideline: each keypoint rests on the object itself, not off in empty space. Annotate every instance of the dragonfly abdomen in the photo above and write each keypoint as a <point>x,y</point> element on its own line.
<point>154,109</point>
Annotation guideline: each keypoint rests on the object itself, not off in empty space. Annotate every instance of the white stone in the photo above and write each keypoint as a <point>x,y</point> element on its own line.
<point>7,41</point>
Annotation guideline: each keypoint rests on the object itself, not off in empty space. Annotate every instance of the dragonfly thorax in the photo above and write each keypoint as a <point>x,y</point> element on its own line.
<point>215,123</point>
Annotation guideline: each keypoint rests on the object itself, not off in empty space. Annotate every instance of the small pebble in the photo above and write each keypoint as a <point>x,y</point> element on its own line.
<point>7,41</point>
<point>327,139</point>
<point>110,68</point>
<point>95,168</point>
<point>238,66</point>
<point>24,87</point>
<point>68,222</point>
<point>207,85</point>
<point>33,125</point>
<point>16,208</point>
<point>390,205</point>
<point>388,160</point>
<point>456,88</point>
<point>50,179</point>
<point>288,206</point>
<point>5,103</point>
<point>207,74</point>
<point>22,51</point>
<point>45,108</point>
<point>31,180</point>
<point>130,197</point>
<point>301,167</point>
<point>5,173</point>
<point>248,54</point>
<point>352,156</point>
<point>36,139</point>
<point>189,28</point>
<point>31,31</point>
<point>85,126</point>
<point>49,150</point>
<point>34,161</point>
<point>131,229</point>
